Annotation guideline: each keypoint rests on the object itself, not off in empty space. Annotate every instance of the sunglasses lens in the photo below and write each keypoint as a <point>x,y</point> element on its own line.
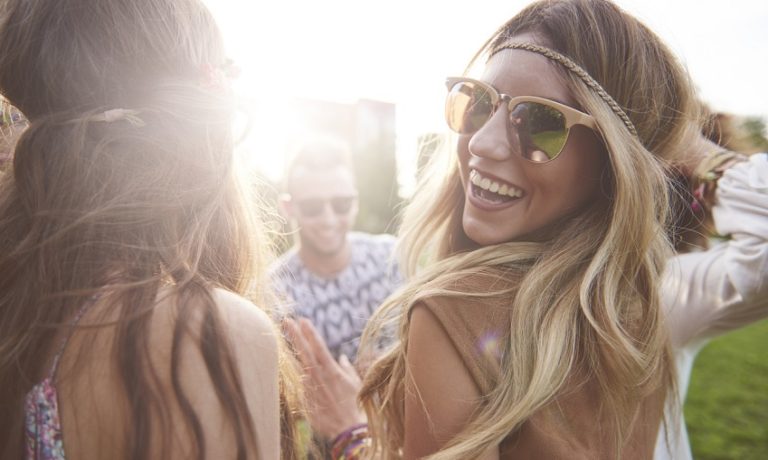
<point>314,207</point>
<point>342,205</point>
<point>310,207</point>
<point>468,107</point>
<point>541,130</point>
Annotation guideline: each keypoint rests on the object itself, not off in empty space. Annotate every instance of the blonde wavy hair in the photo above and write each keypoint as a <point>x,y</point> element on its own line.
<point>590,292</point>
<point>92,207</point>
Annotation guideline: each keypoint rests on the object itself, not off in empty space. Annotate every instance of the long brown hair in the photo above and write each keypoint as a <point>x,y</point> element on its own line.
<point>589,296</point>
<point>124,207</point>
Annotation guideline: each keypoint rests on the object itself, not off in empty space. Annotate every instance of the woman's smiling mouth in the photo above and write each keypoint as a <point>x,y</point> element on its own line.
<point>490,193</point>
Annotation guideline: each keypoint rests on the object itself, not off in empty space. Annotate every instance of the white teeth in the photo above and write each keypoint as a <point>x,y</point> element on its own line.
<point>493,186</point>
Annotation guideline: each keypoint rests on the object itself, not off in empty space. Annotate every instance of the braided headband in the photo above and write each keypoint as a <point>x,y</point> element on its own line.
<point>576,70</point>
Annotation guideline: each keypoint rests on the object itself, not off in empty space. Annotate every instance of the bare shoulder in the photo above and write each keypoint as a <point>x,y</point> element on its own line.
<point>247,324</point>
<point>441,396</point>
<point>433,358</point>
<point>254,340</point>
<point>96,388</point>
<point>253,345</point>
<point>428,337</point>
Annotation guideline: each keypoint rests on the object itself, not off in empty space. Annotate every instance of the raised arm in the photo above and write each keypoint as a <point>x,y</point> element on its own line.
<point>726,287</point>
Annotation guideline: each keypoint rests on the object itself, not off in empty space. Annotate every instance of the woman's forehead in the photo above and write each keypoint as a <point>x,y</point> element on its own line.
<point>523,73</point>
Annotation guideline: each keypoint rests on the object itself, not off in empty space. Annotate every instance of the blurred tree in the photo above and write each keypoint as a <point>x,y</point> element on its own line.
<point>755,134</point>
<point>373,149</point>
<point>377,183</point>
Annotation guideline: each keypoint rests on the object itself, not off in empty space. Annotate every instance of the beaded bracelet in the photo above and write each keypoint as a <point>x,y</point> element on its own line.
<point>351,444</point>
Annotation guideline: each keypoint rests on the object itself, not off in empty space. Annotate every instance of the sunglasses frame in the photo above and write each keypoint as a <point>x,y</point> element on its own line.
<point>572,116</point>
<point>297,203</point>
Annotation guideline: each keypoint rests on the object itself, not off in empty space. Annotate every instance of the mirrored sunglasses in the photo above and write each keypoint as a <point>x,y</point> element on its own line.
<point>313,207</point>
<point>541,125</point>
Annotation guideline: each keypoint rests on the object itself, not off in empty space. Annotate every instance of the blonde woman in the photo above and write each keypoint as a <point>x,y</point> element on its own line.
<point>533,323</point>
<point>703,294</point>
<point>128,250</point>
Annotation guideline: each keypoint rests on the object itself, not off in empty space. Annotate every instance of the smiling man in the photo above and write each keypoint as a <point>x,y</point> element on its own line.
<point>334,277</point>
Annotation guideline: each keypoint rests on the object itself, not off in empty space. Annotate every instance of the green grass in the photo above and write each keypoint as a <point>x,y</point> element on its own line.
<point>548,141</point>
<point>727,405</point>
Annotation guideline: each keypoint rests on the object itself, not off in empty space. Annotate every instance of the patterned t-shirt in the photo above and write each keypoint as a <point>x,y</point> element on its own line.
<point>340,306</point>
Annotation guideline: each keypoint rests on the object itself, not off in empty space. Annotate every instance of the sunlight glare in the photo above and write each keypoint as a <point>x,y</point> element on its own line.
<point>401,51</point>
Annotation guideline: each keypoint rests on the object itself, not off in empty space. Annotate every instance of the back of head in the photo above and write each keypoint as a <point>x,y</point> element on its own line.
<point>126,140</point>
<point>80,54</point>
<point>123,180</point>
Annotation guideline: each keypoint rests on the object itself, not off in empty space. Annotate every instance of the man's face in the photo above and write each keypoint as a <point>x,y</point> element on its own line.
<point>324,205</point>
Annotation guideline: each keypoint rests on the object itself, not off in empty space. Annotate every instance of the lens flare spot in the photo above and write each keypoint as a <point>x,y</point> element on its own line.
<point>489,345</point>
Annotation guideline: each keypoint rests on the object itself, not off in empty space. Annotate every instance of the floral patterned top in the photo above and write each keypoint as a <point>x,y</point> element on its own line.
<point>42,435</point>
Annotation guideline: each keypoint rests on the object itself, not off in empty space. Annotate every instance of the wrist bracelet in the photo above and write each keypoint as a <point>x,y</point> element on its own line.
<point>351,444</point>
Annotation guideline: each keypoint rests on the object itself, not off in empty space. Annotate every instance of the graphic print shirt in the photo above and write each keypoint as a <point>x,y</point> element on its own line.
<point>339,306</point>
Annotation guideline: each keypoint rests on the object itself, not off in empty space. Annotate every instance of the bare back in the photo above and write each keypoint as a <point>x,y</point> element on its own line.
<point>95,413</point>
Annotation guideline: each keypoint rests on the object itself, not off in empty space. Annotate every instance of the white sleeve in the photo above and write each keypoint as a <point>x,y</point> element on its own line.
<point>726,287</point>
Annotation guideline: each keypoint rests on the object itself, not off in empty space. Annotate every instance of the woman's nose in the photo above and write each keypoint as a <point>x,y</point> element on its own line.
<point>493,140</point>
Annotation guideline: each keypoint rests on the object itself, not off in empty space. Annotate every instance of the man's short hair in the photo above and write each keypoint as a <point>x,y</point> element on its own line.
<point>318,154</point>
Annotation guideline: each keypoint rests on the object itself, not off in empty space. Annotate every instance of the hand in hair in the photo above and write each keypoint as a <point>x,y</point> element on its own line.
<point>331,387</point>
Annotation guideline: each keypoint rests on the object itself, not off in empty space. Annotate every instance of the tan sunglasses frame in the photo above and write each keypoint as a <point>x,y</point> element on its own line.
<point>572,116</point>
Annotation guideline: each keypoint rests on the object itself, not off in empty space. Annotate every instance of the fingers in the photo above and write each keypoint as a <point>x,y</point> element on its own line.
<point>350,370</point>
<point>296,337</point>
<point>316,344</point>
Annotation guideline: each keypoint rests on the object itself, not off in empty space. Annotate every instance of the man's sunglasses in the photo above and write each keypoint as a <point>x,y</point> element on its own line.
<point>313,207</point>
<point>540,125</point>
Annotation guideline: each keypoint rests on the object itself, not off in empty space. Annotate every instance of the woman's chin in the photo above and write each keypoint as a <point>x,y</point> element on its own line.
<point>485,235</point>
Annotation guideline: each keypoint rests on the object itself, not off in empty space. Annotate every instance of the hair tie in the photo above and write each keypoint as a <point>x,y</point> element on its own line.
<point>218,76</point>
<point>706,175</point>
<point>113,115</point>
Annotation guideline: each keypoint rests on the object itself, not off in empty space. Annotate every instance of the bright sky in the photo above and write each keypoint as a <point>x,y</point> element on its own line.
<point>401,50</point>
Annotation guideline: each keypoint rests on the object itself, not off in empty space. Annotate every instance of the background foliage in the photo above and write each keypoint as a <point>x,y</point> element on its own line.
<point>727,406</point>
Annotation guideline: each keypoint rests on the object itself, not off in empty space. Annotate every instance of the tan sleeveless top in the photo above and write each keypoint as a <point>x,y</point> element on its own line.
<point>567,428</point>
